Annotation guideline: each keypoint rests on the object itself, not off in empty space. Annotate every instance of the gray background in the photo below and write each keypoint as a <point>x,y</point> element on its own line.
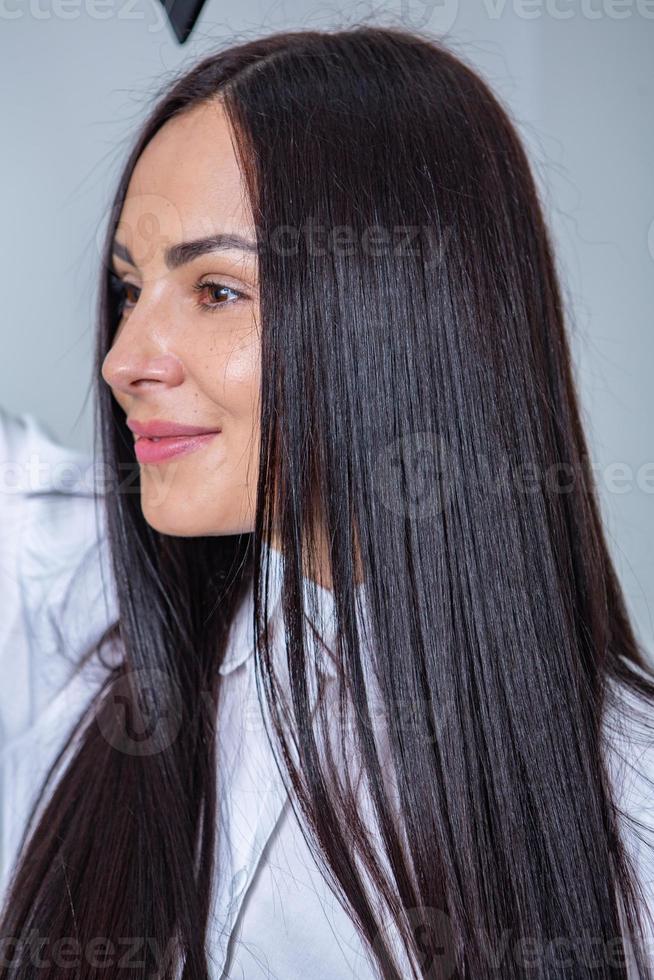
<point>578,75</point>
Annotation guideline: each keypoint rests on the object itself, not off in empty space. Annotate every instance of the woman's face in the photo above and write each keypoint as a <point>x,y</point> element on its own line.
<point>173,360</point>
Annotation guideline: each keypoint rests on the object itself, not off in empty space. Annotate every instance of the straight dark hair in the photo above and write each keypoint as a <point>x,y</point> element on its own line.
<point>406,378</point>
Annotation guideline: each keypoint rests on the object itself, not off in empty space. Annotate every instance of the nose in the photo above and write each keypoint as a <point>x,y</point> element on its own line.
<point>131,372</point>
<point>137,361</point>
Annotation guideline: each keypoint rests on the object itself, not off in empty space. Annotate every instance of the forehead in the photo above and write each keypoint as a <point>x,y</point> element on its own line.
<point>187,182</point>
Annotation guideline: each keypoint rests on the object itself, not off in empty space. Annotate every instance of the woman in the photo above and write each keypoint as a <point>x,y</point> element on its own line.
<point>371,691</point>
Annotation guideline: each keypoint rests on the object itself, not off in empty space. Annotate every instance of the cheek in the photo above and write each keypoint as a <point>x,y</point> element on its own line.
<point>214,491</point>
<point>232,381</point>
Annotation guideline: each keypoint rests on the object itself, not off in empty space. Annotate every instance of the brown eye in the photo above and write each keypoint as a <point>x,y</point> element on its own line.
<point>215,289</point>
<point>130,294</point>
<point>126,293</point>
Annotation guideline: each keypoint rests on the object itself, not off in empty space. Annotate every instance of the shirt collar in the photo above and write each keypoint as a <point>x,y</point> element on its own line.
<point>93,577</point>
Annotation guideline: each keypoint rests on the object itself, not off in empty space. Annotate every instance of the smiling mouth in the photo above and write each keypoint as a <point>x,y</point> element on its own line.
<point>158,449</point>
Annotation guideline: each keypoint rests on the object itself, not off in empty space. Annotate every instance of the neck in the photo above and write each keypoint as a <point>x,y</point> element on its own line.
<point>321,575</point>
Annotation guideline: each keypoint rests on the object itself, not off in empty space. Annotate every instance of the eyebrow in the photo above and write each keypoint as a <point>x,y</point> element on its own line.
<point>183,252</point>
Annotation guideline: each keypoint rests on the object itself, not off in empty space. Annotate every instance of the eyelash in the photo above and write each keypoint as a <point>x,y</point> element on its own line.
<point>119,287</point>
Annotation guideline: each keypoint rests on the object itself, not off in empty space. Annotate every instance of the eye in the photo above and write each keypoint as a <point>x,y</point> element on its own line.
<point>121,290</point>
<point>214,289</point>
<point>127,294</point>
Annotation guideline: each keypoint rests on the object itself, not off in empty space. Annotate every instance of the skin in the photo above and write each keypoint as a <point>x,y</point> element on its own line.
<point>174,361</point>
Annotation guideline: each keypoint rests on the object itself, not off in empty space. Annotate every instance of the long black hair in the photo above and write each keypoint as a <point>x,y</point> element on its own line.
<point>419,413</point>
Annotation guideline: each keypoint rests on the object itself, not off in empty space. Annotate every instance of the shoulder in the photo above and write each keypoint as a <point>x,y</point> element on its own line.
<point>49,502</point>
<point>43,482</point>
<point>33,460</point>
<point>628,739</point>
<point>58,596</point>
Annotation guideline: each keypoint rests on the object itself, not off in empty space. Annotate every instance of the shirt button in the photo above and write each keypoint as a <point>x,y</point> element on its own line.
<point>238,882</point>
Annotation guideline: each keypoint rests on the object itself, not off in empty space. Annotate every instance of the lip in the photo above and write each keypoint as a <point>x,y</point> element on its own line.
<point>172,439</point>
<point>149,451</point>
<point>161,428</point>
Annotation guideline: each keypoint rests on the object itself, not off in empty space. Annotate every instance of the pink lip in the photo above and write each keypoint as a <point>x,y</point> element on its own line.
<point>149,451</point>
<point>172,439</point>
<point>160,428</point>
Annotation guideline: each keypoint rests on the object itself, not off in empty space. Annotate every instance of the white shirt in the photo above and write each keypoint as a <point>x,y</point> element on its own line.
<point>273,915</point>
<point>57,599</point>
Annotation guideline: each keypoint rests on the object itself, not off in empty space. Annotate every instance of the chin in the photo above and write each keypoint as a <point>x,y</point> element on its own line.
<point>189,520</point>
<point>173,514</point>
<point>191,508</point>
<point>175,525</point>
